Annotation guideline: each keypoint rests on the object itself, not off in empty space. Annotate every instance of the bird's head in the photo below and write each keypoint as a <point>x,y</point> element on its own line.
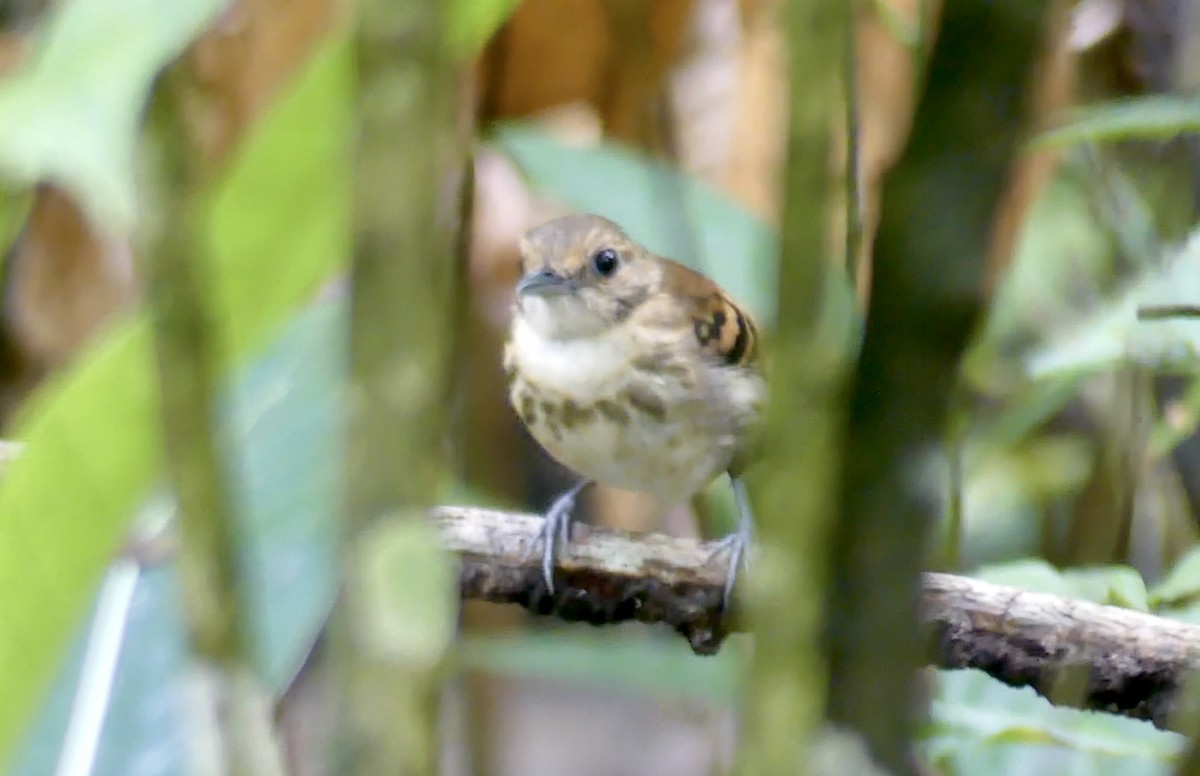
<point>582,275</point>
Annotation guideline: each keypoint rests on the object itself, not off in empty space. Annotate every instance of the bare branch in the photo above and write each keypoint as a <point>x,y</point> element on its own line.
<point>1076,653</point>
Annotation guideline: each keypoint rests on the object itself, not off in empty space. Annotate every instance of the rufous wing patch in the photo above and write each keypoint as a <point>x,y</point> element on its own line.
<point>722,328</point>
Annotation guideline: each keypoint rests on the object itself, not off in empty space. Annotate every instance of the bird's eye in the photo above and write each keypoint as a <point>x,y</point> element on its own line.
<point>605,261</point>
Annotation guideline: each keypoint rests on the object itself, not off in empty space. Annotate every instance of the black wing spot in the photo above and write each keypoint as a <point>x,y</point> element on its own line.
<point>742,343</point>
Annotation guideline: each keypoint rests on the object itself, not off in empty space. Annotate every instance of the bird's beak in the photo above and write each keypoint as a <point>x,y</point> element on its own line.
<point>543,282</point>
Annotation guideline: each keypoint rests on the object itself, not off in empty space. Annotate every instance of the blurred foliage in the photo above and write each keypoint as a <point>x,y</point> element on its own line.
<point>1134,118</point>
<point>71,116</point>
<point>472,22</point>
<point>99,419</point>
<point>651,664</point>
<point>282,415</point>
<point>279,227</point>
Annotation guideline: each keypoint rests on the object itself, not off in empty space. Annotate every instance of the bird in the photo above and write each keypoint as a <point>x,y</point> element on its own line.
<point>631,370</point>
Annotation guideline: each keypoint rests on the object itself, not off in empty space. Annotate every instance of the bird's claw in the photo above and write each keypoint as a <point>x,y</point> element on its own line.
<point>555,528</point>
<point>736,545</point>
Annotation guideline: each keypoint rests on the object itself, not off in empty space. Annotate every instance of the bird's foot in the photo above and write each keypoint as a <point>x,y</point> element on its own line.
<point>555,527</point>
<point>736,545</point>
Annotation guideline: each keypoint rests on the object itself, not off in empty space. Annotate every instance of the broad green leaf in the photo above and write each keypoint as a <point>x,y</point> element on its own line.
<point>143,730</point>
<point>1133,118</point>
<point>614,659</point>
<point>280,222</point>
<point>472,22</point>
<point>90,452</point>
<point>92,449</point>
<point>980,725</point>
<point>71,117</point>
<point>282,417</point>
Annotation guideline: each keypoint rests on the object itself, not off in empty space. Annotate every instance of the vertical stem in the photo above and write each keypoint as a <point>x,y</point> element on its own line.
<point>403,331</point>
<point>855,268</point>
<point>177,286</point>
<point>929,272</point>
<point>797,490</point>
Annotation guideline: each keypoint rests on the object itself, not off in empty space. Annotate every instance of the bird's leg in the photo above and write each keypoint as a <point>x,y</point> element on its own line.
<point>556,527</point>
<point>737,543</point>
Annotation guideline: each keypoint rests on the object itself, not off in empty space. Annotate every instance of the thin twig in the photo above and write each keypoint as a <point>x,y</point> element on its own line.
<point>1161,312</point>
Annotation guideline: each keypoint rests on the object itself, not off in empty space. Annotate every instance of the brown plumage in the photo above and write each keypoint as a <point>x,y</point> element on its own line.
<point>721,327</point>
<point>630,368</point>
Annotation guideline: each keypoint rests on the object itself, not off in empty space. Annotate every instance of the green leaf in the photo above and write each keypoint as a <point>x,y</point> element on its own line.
<point>473,22</point>
<point>92,447</point>
<point>1006,489</point>
<point>90,452</point>
<point>1155,117</point>
<point>409,606</point>
<point>1182,583</point>
<point>980,725</point>
<point>71,117</point>
<point>641,663</point>
<point>282,420</point>
<point>1112,585</point>
<point>143,731</point>
<point>280,222</point>
<point>1114,334</point>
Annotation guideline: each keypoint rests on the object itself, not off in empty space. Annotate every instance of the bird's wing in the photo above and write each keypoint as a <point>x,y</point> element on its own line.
<point>722,328</point>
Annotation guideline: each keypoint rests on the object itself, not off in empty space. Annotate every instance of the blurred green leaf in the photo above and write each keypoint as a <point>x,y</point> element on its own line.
<point>980,725</point>
<point>473,22</point>
<point>1031,406</point>
<point>91,445</point>
<point>1113,585</point>
<point>283,422</point>
<point>1182,583</point>
<point>1059,253</point>
<point>71,117</point>
<point>280,221</point>
<point>1177,426</point>
<point>92,449</point>
<point>1155,117</point>
<point>143,733</point>
<point>1007,488</point>
<point>1114,334</point>
<point>15,203</point>
<point>615,659</point>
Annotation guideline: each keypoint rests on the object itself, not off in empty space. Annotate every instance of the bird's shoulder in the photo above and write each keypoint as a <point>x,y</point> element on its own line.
<point>721,328</point>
